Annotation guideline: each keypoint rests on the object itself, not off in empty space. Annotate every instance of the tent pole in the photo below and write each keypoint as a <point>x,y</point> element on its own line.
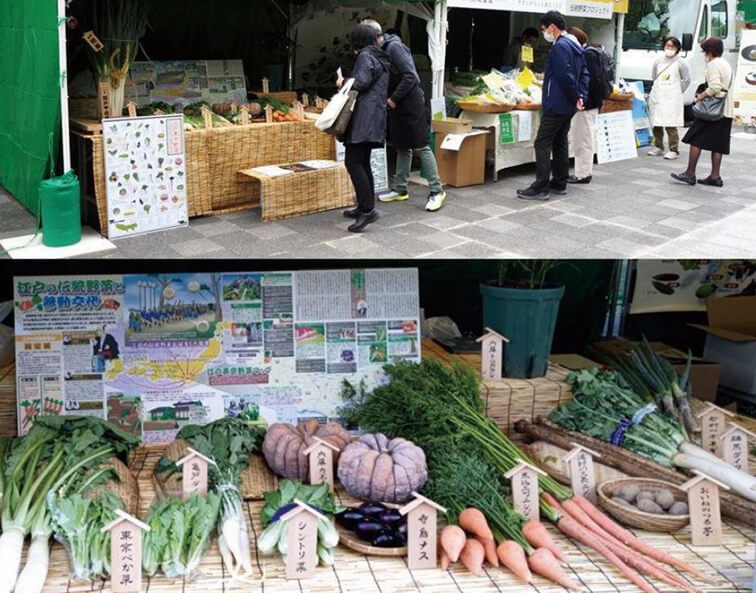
<point>619,37</point>
<point>63,67</point>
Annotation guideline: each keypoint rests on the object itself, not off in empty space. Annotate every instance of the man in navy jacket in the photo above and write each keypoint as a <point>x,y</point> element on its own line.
<point>565,88</point>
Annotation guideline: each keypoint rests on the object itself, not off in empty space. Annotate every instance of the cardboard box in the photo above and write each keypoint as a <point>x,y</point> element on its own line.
<point>704,372</point>
<point>465,164</point>
<point>731,340</point>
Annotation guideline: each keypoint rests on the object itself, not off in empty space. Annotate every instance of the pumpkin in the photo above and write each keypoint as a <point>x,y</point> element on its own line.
<point>284,445</point>
<point>382,470</point>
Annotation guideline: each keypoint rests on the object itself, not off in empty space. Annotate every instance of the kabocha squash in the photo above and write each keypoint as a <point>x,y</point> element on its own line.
<point>382,470</point>
<point>284,445</point>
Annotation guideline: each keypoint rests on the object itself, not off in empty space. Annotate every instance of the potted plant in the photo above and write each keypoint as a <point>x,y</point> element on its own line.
<point>119,25</point>
<point>521,305</point>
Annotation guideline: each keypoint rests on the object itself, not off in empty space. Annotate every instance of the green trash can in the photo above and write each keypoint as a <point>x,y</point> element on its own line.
<point>60,210</point>
<point>527,317</point>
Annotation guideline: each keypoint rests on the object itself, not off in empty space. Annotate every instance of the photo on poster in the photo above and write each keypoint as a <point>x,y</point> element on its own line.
<point>341,347</point>
<point>165,413</point>
<point>173,309</point>
<point>125,411</point>
<point>242,287</point>
<point>310,347</point>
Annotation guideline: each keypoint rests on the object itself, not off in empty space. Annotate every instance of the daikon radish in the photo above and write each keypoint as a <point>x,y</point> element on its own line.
<point>32,577</point>
<point>11,547</point>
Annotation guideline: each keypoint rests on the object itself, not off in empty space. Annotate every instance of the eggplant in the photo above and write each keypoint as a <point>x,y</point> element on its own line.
<point>402,530</point>
<point>387,540</point>
<point>372,509</point>
<point>282,511</point>
<point>368,529</point>
<point>349,518</point>
<point>390,517</point>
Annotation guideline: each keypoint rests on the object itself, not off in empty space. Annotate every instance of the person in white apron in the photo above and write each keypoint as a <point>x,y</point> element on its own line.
<point>671,77</point>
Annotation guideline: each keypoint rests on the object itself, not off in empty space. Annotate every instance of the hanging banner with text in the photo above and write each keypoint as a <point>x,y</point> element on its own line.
<point>595,9</point>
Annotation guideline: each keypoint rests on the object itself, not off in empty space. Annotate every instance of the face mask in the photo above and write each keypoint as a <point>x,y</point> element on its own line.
<point>670,53</point>
<point>549,37</point>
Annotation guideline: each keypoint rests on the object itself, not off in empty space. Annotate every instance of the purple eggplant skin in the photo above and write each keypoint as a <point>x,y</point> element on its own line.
<point>350,517</point>
<point>402,530</point>
<point>367,530</point>
<point>282,511</point>
<point>387,540</point>
<point>390,518</point>
<point>372,509</point>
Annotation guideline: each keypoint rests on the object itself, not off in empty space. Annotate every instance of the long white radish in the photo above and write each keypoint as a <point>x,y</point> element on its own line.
<point>739,482</point>
<point>11,547</point>
<point>228,559</point>
<point>32,577</point>
<point>690,449</point>
<point>246,554</point>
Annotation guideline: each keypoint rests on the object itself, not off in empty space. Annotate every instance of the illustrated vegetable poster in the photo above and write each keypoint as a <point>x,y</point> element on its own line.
<point>145,174</point>
<point>154,352</point>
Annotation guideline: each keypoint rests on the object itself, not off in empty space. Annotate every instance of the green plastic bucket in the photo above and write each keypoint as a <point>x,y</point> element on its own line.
<point>61,213</point>
<point>527,317</point>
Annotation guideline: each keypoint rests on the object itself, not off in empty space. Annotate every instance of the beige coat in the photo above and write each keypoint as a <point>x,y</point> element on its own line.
<point>719,79</point>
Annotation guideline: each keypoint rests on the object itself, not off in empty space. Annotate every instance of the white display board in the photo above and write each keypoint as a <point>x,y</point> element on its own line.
<point>154,352</point>
<point>378,162</point>
<point>145,174</point>
<point>615,137</point>
<point>744,87</point>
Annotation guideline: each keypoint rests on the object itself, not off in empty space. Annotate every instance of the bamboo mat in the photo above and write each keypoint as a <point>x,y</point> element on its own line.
<point>732,564</point>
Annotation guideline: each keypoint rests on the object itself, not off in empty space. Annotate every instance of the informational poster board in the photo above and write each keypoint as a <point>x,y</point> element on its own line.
<point>615,136</point>
<point>154,352</point>
<point>744,88</point>
<point>686,284</point>
<point>145,174</point>
<point>378,162</point>
<point>186,82</point>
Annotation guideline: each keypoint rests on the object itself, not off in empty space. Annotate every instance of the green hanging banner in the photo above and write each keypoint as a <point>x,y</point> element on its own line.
<point>506,129</point>
<point>61,213</point>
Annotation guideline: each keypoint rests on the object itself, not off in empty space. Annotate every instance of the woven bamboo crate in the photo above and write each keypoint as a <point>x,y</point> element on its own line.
<point>8,417</point>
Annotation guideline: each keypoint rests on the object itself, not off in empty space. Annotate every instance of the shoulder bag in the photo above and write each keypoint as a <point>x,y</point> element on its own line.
<point>711,108</point>
<point>335,117</point>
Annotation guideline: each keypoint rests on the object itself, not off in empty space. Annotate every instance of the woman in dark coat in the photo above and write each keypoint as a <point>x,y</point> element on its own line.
<point>367,126</point>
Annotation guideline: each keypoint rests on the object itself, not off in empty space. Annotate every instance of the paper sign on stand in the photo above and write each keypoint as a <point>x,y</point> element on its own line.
<point>302,542</point>
<point>194,473</point>
<point>524,479</point>
<point>493,81</point>
<point>735,446</point>
<point>703,506</point>
<point>526,54</point>
<point>582,472</point>
<point>438,108</point>
<point>320,455</point>
<point>491,354</point>
<point>615,137</point>
<point>526,78</point>
<point>506,128</point>
<point>132,109</point>
<point>713,420</point>
<point>422,531</point>
<point>525,125</point>
<point>265,86</point>
<point>125,552</point>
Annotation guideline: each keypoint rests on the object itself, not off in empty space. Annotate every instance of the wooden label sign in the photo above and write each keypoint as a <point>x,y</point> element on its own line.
<point>93,41</point>
<point>305,99</point>
<point>299,110</point>
<point>302,541</point>
<point>207,117</point>
<point>266,85</point>
<point>524,478</point>
<point>234,107</point>
<point>582,472</point>
<point>320,455</point>
<point>132,108</point>
<point>244,115</point>
<point>703,505</point>
<point>713,421</point>
<point>103,98</point>
<point>125,553</point>
<point>268,114</point>
<point>491,355</point>
<point>422,532</point>
<point>735,446</point>
<point>194,468</point>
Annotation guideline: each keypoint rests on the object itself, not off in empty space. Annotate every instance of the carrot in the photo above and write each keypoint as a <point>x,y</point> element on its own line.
<point>489,546</point>
<point>453,539</point>
<point>445,562</point>
<point>575,530</point>
<point>538,537</point>
<point>472,556</point>
<point>513,557</point>
<point>630,540</point>
<point>473,521</point>
<point>543,562</point>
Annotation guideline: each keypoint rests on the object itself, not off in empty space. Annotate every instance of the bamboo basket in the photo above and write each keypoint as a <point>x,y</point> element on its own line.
<point>481,108</point>
<point>637,518</point>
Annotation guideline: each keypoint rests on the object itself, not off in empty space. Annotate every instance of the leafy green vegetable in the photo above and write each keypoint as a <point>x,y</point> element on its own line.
<point>319,496</point>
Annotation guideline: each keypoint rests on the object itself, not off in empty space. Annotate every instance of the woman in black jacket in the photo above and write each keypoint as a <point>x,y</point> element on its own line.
<point>367,126</point>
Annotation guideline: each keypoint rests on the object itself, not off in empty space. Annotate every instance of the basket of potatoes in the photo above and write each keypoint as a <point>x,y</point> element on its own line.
<point>653,505</point>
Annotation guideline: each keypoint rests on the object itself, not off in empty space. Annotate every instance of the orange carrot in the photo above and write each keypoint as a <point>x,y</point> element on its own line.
<point>473,521</point>
<point>538,537</point>
<point>489,546</point>
<point>453,539</point>
<point>575,530</point>
<point>630,540</point>
<point>444,559</point>
<point>543,562</point>
<point>513,557</point>
<point>472,556</point>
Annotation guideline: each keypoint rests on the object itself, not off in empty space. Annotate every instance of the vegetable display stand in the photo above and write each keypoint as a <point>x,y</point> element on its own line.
<point>527,317</point>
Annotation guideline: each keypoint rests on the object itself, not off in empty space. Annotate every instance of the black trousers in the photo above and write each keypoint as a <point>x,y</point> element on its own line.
<point>552,138</point>
<point>357,162</point>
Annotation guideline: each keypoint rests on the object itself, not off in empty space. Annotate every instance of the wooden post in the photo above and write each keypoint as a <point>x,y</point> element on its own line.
<point>582,473</point>
<point>234,108</point>
<point>713,420</point>
<point>103,98</point>
<point>703,506</point>
<point>320,453</point>
<point>194,473</point>
<point>302,541</point>
<point>266,85</point>
<point>207,117</point>
<point>268,114</point>
<point>132,108</point>
<point>491,354</point>
<point>735,446</point>
<point>524,479</point>
<point>125,552</point>
<point>422,532</point>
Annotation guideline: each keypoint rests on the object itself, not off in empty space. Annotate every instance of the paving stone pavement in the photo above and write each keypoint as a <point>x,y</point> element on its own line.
<point>631,209</point>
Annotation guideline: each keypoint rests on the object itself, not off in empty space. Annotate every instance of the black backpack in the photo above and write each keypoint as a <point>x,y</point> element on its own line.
<point>607,67</point>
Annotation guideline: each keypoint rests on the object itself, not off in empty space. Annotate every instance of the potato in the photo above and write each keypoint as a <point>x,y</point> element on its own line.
<point>649,506</point>
<point>628,492</point>
<point>622,501</point>
<point>664,498</point>
<point>645,494</point>
<point>679,508</point>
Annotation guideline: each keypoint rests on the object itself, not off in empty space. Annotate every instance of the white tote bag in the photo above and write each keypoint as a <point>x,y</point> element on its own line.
<point>336,106</point>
